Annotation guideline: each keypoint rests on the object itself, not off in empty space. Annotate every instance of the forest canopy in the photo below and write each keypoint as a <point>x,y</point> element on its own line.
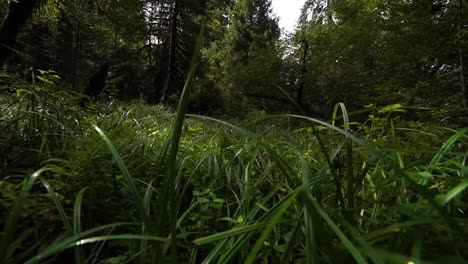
<point>357,52</point>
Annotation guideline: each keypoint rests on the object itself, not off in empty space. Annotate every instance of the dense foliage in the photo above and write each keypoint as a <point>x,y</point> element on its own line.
<point>342,142</point>
<point>270,189</point>
<point>357,52</point>
<point>410,52</point>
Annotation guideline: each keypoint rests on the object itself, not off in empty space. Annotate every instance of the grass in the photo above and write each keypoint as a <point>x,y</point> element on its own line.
<point>131,183</point>
<point>248,192</point>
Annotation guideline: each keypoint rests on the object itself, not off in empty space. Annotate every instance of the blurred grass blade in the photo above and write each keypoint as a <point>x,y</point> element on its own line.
<point>291,100</point>
<point>234,244</point>
<point>293,240</point>
<point>275,219</point>
<point>135,194</point>
<point>18,241</point>
<point>445,149</point>
<point>227,234</point>
<point>66,244</point>
<point>79,254</point>
<point>58,205</point>
<point>77,211</point>
<point>370,251</point>
<point>310,244</point>
<point>216,251</point>
<point>345,115</point>
<point>12,221</point>
<point>286,170</point>
<point>392,257</point>
<point>376,235</point>
<point>63,244</point>
<point>237,128</point>
<point>454,192</point>
<point>372,149</point>
<point>349,160</point>
<point>283,166</point>
<point>168,200</point>
<point>344,239</point>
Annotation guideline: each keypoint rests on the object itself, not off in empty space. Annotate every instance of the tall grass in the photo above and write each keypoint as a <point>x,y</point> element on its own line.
<point>139,184</point>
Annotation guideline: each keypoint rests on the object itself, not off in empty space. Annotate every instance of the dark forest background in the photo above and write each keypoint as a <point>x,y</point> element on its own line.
<point>357,52</point>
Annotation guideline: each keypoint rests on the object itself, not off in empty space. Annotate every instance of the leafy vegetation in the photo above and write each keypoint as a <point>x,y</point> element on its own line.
<point>327,146</point>
<point>267,189</point>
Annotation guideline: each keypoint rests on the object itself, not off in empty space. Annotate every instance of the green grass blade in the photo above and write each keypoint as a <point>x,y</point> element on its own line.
<point>283,166</point>
<point>271,223</point>
<point>147,205</point>
<point>168,200</point>
<point>376,235</point>
<point>454,192</point>
<point>349,159</point>
<point>18,242</point>
<point>286,170</point>
<point>298,107</point>
<point>370,251</point>
<point>58,205</point>
<point>310,244</point>
<point>373,150</point>
<point>344,239</point>
<point>79,254</point>
<point>234,244</point>
<point>396,258</point>
<point>345,115</point>
<point>135,194</point>
<point>79,242</point>
<point>61,124</point>
<point>25,254</point>
<point>216,251</point>
<point>12,221</point>
<point>77,211</point>
<point>228,234</point>
<point>445,149</point>
<point>63,244</point>
<point>293,240</point>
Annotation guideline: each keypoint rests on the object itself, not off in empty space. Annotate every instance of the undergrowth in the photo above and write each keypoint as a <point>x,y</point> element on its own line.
<point>274,189</point>
<point>132,183</point>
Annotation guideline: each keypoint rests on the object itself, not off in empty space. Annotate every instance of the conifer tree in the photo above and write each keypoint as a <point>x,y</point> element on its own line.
<point>250,59</point>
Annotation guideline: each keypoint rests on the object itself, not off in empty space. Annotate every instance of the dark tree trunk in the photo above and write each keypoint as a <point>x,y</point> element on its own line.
<point>17,16</point>
<point>76,58</point>
<point>300,89</point>
<point>97,82</point>
<point>172,53</point>
<point>460,56</point>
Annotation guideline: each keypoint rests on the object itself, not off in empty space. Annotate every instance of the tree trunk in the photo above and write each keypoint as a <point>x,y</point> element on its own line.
<point>172,52</point>
<point>300,89</point>
<point>329,13</point>
<point>76,59</point>
<point>460,56</point>
<point>17,16</point>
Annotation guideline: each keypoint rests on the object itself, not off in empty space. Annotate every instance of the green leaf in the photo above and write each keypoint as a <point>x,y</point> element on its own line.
<point>450,195</point>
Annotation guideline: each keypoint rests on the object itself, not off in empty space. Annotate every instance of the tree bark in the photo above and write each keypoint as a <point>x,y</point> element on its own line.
<point>460,56</point>
<point>17,16</point>
<point>76,58</point>
<point>300,89</point>
<point>172,52</point>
